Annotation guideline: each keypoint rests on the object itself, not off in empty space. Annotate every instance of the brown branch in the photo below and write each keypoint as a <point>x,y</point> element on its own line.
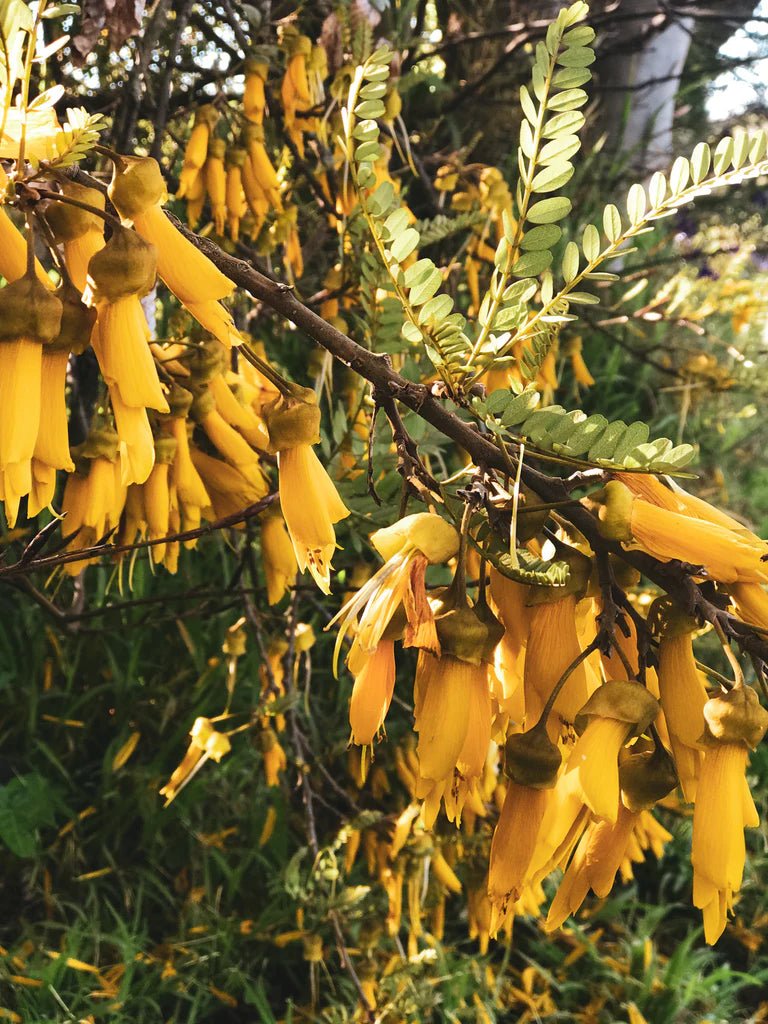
<point>22,567</point>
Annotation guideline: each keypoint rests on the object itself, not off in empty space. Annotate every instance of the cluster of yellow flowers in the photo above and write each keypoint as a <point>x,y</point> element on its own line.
<point>140,471</point>
<point>515,706</point>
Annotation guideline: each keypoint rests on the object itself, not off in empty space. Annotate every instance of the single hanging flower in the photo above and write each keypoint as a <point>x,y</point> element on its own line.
<point>254,101</point>
<point>310,503</point>
<point>13,246</point>
<point>80,232</point>
<point>452,709</point>
<point>552,645</point>
<point>94,495</point>
<point>138,191</point>
<point>192,497</point>
<point>408,547</point>
<point>277,555</point>
<point>615,713</point>
<point>30,318</point>
<point>531,763</point>
<point>735,724</point>
<point>682,690</point>
<point>216,183</point>
<point>229,491</point>
<point>728,556</point>
<point>52,443</point>
<point>196,150</point>
<point>118,276</point>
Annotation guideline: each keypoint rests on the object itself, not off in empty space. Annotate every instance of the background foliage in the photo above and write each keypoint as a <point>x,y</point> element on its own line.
<point>214,909</point>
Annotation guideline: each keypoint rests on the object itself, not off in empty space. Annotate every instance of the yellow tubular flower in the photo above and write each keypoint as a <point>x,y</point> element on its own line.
<point>255,197</point>
<point>594,865</point>
<point>553,644</point>
<point>13,246</point>
<point>682,691</point>
<point>407,547</point>
<point>751,603</point>
<point>137,446</point>
<point>195,200</point>
<point>513,845</point>
<point>29,318</point>
<point>51,446</point>
<point>374,674</point>
<point>80,232</point>
<point>216,183</point>
<point>137,189</point>
<point>197,148</point>
<point>724,808</point>
<point>94,497</point>
<point>247,422</point>
<point>228,489</point>
<point>735,722</point>
<point>310,503</point>
<point>122,347</point>
<point>157,501</point>
<point>675,499</point>
<point>43,488</point>
<point>253,94</point>
<point>229,443</point>
<point>277,555</point>
<point>616,712</point>
<point>234,190</point>
<point>263,172</point>
<point>580,370</point>
<point>294,90</point>
<point>727,556</point>
<point>442,716</point>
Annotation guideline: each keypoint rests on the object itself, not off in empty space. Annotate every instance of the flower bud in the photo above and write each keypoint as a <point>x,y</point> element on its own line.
<point>616,512</point>
<point>127,265</point>
<point>137,183</point>
<point>622,701</point>
<point>532,759</point>
<point>646,778</point>
<point>736,717</point>
<point>29,310</point>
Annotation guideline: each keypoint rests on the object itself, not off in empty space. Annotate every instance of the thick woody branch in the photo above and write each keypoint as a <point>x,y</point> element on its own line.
<point>672,577</point>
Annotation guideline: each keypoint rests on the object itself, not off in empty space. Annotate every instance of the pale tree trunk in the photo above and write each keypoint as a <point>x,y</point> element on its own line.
<point>639,81</point>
